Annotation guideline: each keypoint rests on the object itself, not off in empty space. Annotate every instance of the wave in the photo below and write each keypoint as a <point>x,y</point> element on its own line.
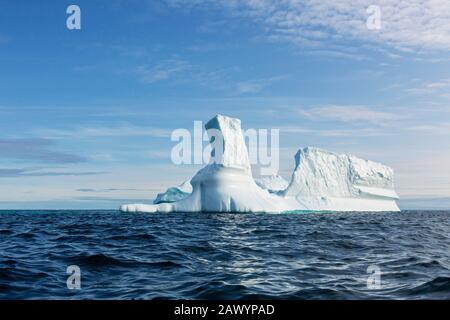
<point>439,285</point>
<point>102,260</point>
<point>221,256</point>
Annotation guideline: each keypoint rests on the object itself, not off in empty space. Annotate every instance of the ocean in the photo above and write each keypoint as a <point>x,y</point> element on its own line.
<point>225,256</point>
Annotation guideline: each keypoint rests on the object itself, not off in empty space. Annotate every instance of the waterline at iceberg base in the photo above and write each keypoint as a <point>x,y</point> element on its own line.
<point>321,181</point>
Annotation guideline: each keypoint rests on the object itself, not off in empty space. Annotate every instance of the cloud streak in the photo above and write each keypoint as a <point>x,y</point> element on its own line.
<point>348,114</point>
<point>35,150</point>
<point>111,131</point>
<point>18,173</point>
<point>433,129</point>
<point>164,70</point>
<point>257,85</point>
<point>330,133</point>
<point>439,88</point>
<point>106,190</point>
<point>177,71</point>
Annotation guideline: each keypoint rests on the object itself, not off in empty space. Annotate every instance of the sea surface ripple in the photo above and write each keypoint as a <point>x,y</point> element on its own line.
<point>225,256</point>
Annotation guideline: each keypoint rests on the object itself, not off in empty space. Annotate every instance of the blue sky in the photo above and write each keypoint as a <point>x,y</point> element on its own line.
<point>86,115</point>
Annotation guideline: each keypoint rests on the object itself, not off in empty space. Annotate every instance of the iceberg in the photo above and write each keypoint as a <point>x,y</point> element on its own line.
<point>329,181</point>
<point>321,181</point>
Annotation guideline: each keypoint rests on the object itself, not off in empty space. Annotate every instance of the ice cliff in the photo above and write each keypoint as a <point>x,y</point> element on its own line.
<point>321,181</point>
<point>324,180</point>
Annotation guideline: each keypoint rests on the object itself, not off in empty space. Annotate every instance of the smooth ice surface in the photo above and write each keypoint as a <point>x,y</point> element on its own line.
<point>321,180</point>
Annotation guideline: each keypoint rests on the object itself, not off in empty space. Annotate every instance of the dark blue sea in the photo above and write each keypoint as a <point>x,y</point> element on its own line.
<point>225,256</point>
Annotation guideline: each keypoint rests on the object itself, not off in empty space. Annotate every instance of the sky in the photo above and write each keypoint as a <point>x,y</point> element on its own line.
<point>86,115</point>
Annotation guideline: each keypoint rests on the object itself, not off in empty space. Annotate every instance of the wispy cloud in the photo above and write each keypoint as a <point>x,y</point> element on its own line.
<point>439,88</point>
<point>338,54</point>
<point>185,72</point>
<point>257,85</point>
<point>208,47</point>
<point>106,190</point>
<point>182,72</point>
<point>158,154</point>
<point>417,24</point>
<point>163,70</point>
<point>113,199</point>
<point>216,26</point>
<point>433,129</point>
<point>365,132</point>
<point>348,114</point>
<point>112,131</point>
<point>3,39</point>
<point>34,172</point>
<point>35,150</point>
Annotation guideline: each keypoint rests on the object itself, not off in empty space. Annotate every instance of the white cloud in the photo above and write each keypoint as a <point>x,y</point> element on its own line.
<point>405,24</point>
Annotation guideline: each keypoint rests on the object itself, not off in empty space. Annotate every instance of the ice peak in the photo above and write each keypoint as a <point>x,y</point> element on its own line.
<point>227,142</point>
<point>309,152</point>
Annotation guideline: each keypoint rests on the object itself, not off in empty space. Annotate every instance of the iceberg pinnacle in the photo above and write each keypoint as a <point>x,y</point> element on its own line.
<point>321,180</point>
<point>233,153</point>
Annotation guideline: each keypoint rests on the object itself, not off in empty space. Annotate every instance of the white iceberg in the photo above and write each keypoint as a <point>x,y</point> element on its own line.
<point>324,180</point>
<point>273,183</point>
<point>321,181</point>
